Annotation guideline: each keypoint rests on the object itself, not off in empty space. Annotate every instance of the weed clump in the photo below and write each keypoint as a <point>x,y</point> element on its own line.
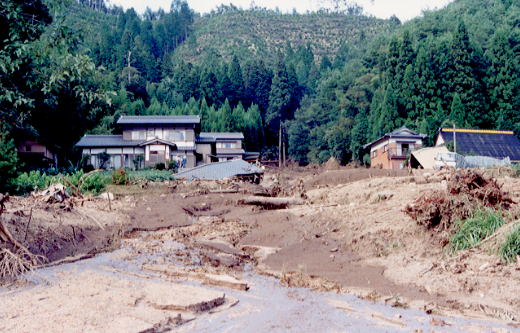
<point>510,250</point>
<point>471,231</point>
<point>119,177</point>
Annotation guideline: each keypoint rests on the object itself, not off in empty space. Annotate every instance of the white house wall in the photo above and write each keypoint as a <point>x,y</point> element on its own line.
<point>113,151</point>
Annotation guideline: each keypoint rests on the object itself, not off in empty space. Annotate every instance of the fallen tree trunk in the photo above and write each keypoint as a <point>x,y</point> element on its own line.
<point>270,203</point>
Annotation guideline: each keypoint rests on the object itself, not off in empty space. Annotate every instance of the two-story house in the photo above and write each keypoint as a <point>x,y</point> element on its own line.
<point>392,149</point>
<point>148,140</point>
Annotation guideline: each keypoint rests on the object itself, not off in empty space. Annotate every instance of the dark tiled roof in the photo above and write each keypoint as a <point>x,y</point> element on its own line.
<point>404,131</point>
<point>228,151</point>
<point>214,136</point>
<point>137,120</point>
<point>110,141</point>
<point>401,132</point>
<point>106,141</point>
<point>220,170</point>
<point>497,144</point>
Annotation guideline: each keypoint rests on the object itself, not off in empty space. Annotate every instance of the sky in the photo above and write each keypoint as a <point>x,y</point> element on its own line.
<point>404,9</point>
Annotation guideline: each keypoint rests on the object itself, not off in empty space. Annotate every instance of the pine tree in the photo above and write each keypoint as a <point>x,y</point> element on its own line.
<point>389,117</point>
<point>238,118</point>
<point>358,135</point>
<point>464,78</point>
<point>237,82</point>
<point>279,101</point>
<point>209,87</point>
<point>504,81</point>
<point>254,129</point>
<point>226,118</point>
<point>458,112</point>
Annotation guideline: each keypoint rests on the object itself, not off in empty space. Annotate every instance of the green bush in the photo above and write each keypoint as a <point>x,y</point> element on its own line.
<point>37,180</point>
<point>8,162</point>
<point>173,166</point>
<point>160,166</point>
<point>119,177</point>
<point>483,223</point>
<point>511,248</point>
<point>31,181</point>
<point>94,183</point>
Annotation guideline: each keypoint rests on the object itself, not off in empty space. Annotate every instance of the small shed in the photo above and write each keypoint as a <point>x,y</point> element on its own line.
<point>425,158</point>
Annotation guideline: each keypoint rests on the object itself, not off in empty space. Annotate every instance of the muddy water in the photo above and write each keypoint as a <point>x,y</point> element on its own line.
<point>269,307</point>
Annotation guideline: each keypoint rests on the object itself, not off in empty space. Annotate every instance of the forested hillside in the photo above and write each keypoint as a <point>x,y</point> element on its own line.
<point>262,34</point>
<point>460,64</point>
<point>331,81</point>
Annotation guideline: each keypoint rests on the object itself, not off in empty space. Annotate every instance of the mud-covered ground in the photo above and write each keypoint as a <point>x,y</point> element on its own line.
<point>349,236</point>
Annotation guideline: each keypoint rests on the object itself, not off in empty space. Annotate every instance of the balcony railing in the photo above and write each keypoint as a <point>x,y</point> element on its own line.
<point>399,153</point>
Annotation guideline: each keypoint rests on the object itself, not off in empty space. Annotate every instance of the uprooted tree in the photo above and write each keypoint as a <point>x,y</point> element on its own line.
<point>467,191</point>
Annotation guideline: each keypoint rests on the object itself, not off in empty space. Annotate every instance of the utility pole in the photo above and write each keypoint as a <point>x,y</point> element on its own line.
<point>454,139</point>
<point>283,150</point>
<point>280,146</point>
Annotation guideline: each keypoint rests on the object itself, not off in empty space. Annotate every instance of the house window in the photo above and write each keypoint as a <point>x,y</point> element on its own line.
<point>138,135</point>
<point>385,148</point>
<point>168,135</point>
<point>179,135</point>
<point>374,153</point>
<point>405,149</point>
<point>28,148</point>
<point>226,145</point>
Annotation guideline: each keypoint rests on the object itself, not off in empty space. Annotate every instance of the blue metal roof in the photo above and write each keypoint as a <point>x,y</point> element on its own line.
<point>220,170</point>
<point>497,144</point>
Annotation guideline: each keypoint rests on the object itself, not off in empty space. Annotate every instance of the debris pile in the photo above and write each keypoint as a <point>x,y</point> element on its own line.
<point>332,164</point>
<point>55,193</point>
<point>478,188</point>
<point>467,190</point>
<point>15,259</point>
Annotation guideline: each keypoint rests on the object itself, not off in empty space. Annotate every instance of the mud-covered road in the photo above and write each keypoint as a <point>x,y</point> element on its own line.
<point>114,293</point>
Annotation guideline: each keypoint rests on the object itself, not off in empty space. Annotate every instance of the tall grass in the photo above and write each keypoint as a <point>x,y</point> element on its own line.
<point>511,247</point>
<point>471,231</point>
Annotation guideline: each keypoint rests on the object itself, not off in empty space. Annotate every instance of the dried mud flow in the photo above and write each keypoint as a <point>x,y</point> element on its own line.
<point>347,233</point>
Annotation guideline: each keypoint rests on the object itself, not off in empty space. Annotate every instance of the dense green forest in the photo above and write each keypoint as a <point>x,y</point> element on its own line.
<point>332,80</point>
